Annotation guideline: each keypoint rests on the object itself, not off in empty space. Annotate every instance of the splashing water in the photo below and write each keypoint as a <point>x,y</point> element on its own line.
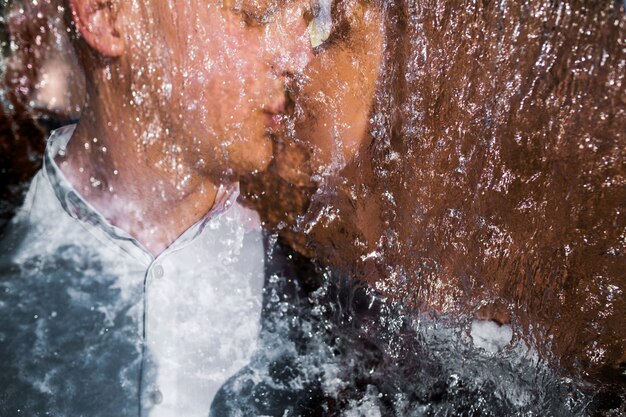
<point>441,186</point>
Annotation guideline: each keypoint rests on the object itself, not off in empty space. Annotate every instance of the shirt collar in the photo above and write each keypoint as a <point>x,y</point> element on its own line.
<point>78,208</point>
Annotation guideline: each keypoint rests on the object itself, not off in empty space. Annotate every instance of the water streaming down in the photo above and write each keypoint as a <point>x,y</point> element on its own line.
<point>444,216</point>
<point>493,183</point>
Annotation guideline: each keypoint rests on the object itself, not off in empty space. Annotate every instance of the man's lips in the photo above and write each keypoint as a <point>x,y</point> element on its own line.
<point>274,114</point>
<point>277,113</point>
<point>272,120</point>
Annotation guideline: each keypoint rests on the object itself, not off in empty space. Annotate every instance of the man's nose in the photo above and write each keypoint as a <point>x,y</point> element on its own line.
<point>288,42</point>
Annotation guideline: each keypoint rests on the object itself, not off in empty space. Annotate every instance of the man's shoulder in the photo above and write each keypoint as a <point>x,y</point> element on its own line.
<point>41,222</point>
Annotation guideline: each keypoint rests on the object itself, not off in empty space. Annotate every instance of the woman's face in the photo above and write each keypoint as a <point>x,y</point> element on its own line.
<point>336,93</point>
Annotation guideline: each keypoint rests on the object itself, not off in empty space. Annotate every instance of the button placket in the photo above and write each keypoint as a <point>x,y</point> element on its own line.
<point>153,396</point>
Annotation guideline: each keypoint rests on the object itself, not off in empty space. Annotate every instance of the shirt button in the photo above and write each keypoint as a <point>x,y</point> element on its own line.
<point>156,397</point>
<point>157,271</point>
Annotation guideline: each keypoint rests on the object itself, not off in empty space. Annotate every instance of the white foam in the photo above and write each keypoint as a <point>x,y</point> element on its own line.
<point>491,336</point>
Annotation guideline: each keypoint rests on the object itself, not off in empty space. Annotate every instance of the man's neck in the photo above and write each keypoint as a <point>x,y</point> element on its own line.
<point>135,182</point>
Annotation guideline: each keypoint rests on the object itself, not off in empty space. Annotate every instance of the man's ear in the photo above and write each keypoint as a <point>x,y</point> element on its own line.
<point>98,24</point>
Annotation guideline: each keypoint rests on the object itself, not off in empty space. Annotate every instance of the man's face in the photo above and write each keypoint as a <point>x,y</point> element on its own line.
<point>219,69</point>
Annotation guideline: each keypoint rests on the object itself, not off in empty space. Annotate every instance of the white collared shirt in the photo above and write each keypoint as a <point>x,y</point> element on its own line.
<point>191,316</point>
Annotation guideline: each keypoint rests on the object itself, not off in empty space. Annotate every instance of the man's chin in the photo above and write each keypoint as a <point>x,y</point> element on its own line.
<point>251,158</point>
<point>237,159</point>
